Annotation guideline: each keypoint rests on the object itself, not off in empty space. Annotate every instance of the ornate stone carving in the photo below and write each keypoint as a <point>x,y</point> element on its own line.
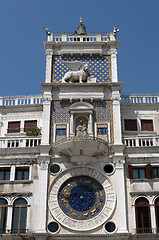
<point>47,99</point>
<point>113,52</point>
<point>49,52</point>
<point>77,75</point>
<point>90,219</point>
<point>116,98</point>
<point>81,128</point>
<point>43,164</point>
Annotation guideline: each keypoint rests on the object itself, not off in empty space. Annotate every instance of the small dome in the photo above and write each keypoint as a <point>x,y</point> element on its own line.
<point>81,30</point>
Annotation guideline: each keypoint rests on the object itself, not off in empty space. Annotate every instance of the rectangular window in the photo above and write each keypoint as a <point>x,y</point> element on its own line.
<point>130,124</point>
<point>3,215</point>
<point>139,173</point>
<point>13,127</point>
<point>146,125</point>
<point>22,173</point>
<point>143,220</point>
<point>28,125</point>
<point>4,174</point>
<point>155,172</point>
<point>61,131</point>
<point>101,131</point>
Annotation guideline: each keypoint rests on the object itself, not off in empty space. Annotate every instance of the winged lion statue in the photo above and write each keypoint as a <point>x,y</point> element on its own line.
<point>76,75</point>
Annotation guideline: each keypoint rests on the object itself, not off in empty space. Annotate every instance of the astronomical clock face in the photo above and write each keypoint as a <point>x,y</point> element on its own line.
<point>81,198</point>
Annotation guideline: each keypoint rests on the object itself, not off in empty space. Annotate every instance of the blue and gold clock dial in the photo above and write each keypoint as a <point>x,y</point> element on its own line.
<point>81,197</point>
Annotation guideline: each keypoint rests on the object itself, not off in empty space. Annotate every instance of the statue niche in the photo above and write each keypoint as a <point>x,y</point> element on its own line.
<point>81,127</point>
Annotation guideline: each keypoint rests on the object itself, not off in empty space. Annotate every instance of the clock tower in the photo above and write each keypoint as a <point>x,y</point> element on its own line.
<point>81,174</point>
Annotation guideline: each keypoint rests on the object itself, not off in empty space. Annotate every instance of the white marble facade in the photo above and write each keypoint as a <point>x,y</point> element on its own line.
<point>95,165</point>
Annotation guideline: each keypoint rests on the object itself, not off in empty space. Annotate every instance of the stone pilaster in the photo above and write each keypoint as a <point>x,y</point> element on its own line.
<point>46,120</point>
<point>116,115</point>
<point>43,161</point>
<point>114,74</point>
<point>49,54</point>
<point>121,193</point>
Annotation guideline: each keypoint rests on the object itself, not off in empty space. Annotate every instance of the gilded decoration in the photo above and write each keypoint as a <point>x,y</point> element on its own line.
<point>81,198</point>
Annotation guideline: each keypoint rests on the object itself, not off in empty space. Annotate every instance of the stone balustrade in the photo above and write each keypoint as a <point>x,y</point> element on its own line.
<point>20,100</point>
<point>139,98</point>
<point>28,100</point>
<point>18,142</point>
<point>80,38</point>
<point>141,141</point>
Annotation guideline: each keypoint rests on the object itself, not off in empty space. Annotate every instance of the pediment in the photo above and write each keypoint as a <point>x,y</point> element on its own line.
<point>81,106</point>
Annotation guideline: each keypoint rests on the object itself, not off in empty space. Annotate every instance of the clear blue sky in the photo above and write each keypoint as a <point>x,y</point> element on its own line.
<point>22,56</point>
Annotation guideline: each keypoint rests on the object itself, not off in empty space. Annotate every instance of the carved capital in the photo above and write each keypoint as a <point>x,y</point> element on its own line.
<point>113,52</point>
<point>120,163</point>
<point>49,52</point>
<point>116,98</point>
<point>43,163</point>
<point>47,99</point>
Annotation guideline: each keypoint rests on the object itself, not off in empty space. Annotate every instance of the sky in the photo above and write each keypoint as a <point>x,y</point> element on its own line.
<point>22,55</point>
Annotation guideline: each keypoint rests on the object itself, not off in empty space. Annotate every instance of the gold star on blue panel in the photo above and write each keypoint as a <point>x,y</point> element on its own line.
<point>99,66</point>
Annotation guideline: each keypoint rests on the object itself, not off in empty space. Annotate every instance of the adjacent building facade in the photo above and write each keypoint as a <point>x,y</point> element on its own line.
<point>81,160</point>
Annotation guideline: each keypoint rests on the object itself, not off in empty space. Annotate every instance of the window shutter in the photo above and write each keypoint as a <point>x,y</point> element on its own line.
<point>148,171</point>
<point>28,125</point>
<point>13,127</point>
<point>130,124</point>
<point>146,125</point>
<point>130,170</point>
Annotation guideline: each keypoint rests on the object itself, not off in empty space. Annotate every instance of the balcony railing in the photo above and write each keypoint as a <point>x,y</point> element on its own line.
<point>21,100</point>
<point>89,138</point>
<point>141,141</point>
<point>18,142</point>
<point>140,99</point>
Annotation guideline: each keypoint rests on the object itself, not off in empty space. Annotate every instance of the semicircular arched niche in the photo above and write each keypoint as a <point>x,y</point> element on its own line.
<point>81,112</point>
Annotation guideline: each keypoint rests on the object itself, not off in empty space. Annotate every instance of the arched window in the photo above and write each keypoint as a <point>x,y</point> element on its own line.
<point>3,215</point>
<point>143,222</point>
<point>19,216</point>
<point>157,213</point>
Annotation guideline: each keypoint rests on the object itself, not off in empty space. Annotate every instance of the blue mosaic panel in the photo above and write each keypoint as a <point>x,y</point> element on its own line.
<point>61,112</point>
<point>102,111</point>
<point>98,67</point>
